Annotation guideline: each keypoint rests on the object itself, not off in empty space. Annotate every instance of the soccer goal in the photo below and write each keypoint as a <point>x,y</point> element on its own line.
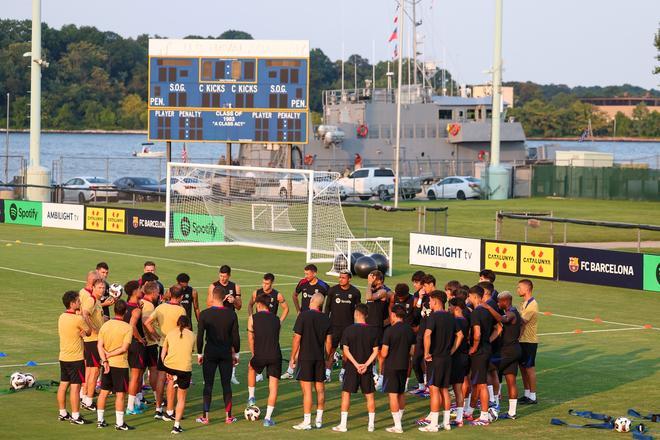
<point>349,250</point>
<point>288,209</point>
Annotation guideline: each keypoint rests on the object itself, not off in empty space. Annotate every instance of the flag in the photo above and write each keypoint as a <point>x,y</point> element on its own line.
<point>394,35</point>
<point>184,154</point>
<point>396,51</point>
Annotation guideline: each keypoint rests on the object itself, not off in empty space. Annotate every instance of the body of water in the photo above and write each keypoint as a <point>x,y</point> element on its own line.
<point>110,155</point>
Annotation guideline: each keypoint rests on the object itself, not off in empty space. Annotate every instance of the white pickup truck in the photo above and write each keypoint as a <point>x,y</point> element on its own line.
<point>367,182</point>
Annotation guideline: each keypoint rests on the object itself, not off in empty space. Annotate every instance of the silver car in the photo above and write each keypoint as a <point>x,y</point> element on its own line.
<point>85,189</point>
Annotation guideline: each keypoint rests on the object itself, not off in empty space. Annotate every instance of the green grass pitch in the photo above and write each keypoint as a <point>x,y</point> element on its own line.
<point>612,365</point>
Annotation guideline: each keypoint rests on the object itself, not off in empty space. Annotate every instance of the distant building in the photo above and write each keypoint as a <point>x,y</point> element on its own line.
<point>487,90</point>
<point>625,105</point>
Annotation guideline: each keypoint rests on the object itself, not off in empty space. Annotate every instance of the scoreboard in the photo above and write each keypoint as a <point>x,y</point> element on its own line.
<point>245,91</point>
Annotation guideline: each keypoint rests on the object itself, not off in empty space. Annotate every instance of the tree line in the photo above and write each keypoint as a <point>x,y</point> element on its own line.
<point>99,80</point>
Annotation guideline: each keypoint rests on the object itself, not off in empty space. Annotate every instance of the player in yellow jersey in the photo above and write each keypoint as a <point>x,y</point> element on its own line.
<point>177,359</point>
<point>92,313</point>
<point>151,292</point>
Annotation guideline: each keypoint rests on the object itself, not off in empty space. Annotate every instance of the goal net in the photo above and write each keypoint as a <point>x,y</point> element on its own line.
<point>349,250</point>
<point>276,208</point>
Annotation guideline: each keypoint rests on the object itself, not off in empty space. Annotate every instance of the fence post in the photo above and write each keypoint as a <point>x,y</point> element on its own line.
<point>639,240</point>
<point>419,218</point>
<point>565,232</point>
<point>526,226</point>
<point>552,232</point>
<point>497,225</point>
<point>446,221</point>
<point>365,222</point>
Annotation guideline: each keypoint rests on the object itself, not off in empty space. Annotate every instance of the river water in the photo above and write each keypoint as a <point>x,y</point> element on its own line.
<point>110,155</point>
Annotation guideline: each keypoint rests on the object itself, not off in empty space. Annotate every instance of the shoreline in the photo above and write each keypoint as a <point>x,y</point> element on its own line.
<point>92,131</point>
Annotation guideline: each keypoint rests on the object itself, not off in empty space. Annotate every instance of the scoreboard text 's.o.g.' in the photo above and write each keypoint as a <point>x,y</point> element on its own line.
<point>228,90</point>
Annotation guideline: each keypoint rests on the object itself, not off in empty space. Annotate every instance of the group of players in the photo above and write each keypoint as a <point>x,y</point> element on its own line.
<point>460,337</point>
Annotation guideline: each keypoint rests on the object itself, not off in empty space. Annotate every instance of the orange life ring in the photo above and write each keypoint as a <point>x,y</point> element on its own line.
<point>454,129</point>
<point>309,159</point>
<point>483,154</point>
<point>362,131</point>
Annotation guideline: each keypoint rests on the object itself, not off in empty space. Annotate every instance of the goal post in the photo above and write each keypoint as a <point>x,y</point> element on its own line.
<point>274,208</point>
<point>348,250</point>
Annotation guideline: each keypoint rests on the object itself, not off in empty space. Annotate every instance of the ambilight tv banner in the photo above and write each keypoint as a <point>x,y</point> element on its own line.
<point>445,252</point>
<point>198,227</point>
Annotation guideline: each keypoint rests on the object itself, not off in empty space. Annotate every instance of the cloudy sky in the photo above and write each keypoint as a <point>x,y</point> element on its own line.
<point>574,42</point>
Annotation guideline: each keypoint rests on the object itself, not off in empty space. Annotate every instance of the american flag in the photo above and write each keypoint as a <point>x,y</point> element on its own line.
<point>184,154</point>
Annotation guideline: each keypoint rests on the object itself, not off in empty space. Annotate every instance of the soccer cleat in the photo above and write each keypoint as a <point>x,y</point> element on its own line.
<point>133,412</point>
<point>231,419</point>
<point>286,375</point>
<point>339,428</point>
<point>429,428</point>
<point>158,415</point>
<point>260,377</point>
<point>470,417</point>
<point>494,405</point>
<point>142,406</point>
<point>318,424</point>
<point>269,422</point>
<point>176,430</point>
<point>507,416</point>
<point>446,427</point>
<point>124,427</point>
<point>524,400</point>
<point>91,407</point>
<point>531,402</point>
<point>302,426</point>
<point>371,428</point>
<point>101,424</point>
<point>480,422</point>
<point>456,424</point>
<point>202,420</point>
<point>251,401</point>
<point>395,430</point>
<point>64,418</point>
<point>167,417</point>
<point>78,421</point>
<point>422,422</point>
<point>234,381</point>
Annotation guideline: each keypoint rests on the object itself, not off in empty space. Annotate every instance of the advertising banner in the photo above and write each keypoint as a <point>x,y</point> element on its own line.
<point>115,220</point>
<point>537,261</point>
<point>445,252</point>
<point>20,212</point>
<point>94,218</point>
<point>198,227</point>
<point>56,215</point>
<point>501,257</point>
<point>143,222</point>
<point>652,273</point>
<point>600,267</point>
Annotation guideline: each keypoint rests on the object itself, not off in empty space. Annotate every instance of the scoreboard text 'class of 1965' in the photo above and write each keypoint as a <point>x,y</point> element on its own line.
<point>244,91</point>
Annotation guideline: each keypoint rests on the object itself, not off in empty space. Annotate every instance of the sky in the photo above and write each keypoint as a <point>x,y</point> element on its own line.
<point>573,42</point>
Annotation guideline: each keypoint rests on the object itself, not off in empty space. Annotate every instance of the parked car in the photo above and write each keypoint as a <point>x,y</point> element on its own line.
<point>367,182</point>
<point>85,189</point>
<point>188,186</point>
<point>455,187</point>
<point>297,185</point>
<point>128,186</point>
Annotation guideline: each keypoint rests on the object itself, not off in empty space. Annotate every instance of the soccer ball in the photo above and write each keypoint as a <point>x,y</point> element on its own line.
<point>622,424</point>
<point>29,380</point>
<point>17,381</point>
<point>115,290</point>
<point>492,414</point>
<point>252,413</point>
<point>336,359</point>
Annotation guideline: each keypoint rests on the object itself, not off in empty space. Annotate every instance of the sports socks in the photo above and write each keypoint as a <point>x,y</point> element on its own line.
<point>251,392</point>
<point>343,421</point>
<point>131,403</point>
<point>120,417</point>
<point>269,411</point>
<point>513,403</point>
<point>319,416</point>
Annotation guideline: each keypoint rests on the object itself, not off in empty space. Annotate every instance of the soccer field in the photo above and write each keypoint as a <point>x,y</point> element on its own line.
<point>595,353</point>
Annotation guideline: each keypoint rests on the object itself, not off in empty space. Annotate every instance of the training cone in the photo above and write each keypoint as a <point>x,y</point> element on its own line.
<point>577,331</point>
<point>648,326</point>
<point>31,364</point>
<point>547,313</point>
<point>597,320</point>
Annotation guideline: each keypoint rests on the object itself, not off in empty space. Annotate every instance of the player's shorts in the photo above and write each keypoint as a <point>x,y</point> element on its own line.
<point>159,364</point>
<point>72,371</point>
<point>151,356</point>
<point>394,381</point>
<point>137,355</point>
<point>378,331</point>
<point>310,371</point>
<point>91,352</point>
<point>273,366</point>
<point>509,361</point>
<point>528,358</point>
<point>181,378</point>
<point>494,362</point>
<point>479,367</point>
<point>438,372</point>
<point>116,380</point>
<point>354,381</point>
<point>460,365</point>
<point>336,333</point>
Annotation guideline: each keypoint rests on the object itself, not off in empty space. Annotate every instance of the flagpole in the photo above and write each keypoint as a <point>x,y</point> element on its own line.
<point>397,149</point>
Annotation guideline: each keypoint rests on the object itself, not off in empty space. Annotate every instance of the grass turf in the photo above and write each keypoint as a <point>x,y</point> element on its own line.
<point>604,371</point>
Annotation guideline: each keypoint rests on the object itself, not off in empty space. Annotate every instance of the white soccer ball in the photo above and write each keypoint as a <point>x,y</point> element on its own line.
<point>115,290</point>
<point>622,424</point>
<point>252,413</point>
<point>493,415</point>
<point>29,380</point>
<point>17,381</point>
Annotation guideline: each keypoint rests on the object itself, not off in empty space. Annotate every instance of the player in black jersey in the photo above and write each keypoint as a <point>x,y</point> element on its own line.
<point>459,360</point>
<point>102,271</point>
<point>232,299</point>
<point>152,277</point>
<point>428,286</point>
<point>489,276</point>
<point>137,354</point>
<point>275,298</point>
<point>218,327</point>
<point>398,344</point>
<point>309,351</point>
<point>377,299</point>
<point>481,327</point>
<point>189,297</point>
<point>402,296</point>
<point>421,299</point>
<point>264,341</point>
<point>496,343</point>
<point>307,287</point>
<point>340,307</point>
<point>511,351</point>
<point>360,347</point>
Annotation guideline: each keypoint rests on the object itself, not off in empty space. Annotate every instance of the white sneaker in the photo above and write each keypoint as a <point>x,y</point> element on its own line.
<point>302,426</point>
<point>260,377</point>
<point>339,428</point>
<point>395,430</point>
<point>318,424</point>
<point>371,428</point>
<point>234,381</point>
<point>446,427</point>
<point>429,428</point>
<point>286,375</point>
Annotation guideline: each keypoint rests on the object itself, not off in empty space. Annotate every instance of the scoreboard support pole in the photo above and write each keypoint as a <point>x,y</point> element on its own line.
<point>168,151</point>
<point>228,158</point>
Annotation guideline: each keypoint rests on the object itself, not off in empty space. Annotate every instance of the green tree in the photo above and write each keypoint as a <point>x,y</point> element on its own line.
<point>656,43</point>
<point>107,119</point>
<point>133,113</point>
<point>232,34</point>
<point>65,118</point>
